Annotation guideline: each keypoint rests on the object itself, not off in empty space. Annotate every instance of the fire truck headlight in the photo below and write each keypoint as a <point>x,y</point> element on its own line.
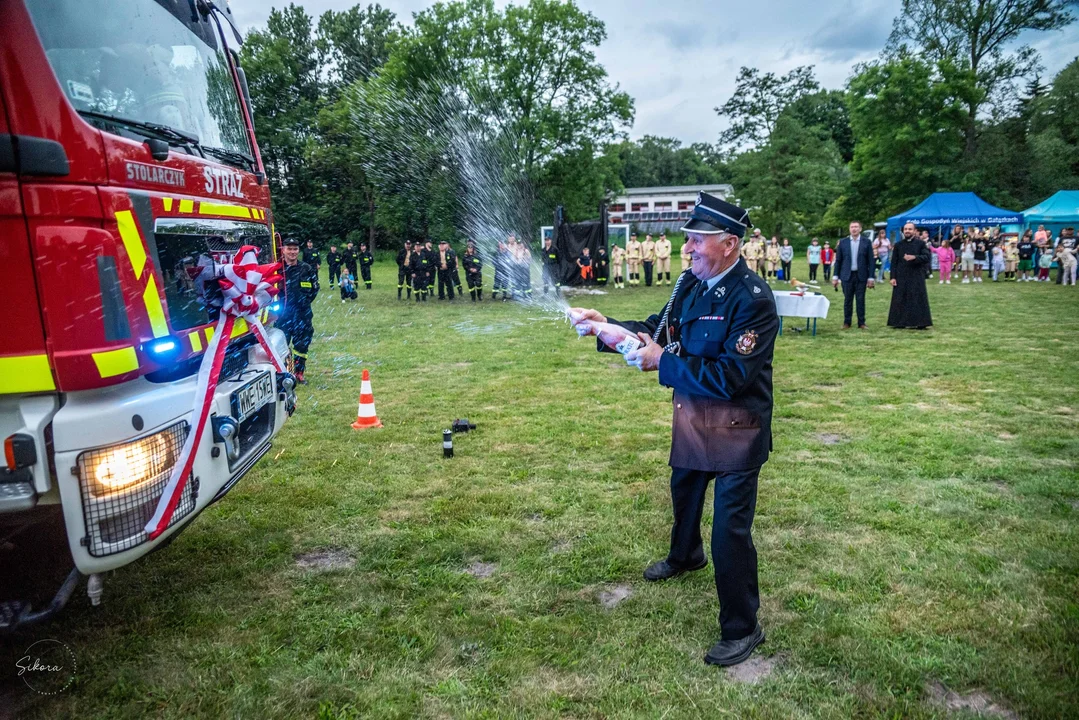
<point>122,467</point>
<point>162,349</point>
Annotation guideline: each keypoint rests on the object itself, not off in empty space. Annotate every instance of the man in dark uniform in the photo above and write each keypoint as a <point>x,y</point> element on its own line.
<point>310,256</point>
<point>446,264</point>
<point>349,258</point>
<point>333,262</point>
<point>421,271</point>
<point>603,265</point>
<point>366,261</point>
<point>712,344</point>
<point>501,262</point>
<point>473,271</point>
<point>552,270</point>
<point>404,273</point>
<point>301,287</point>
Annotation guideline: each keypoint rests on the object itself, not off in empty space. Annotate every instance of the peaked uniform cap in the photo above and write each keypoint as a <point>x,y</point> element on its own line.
<point>712,215</point>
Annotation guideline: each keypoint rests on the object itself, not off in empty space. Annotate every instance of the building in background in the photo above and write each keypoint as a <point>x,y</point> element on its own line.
<point>660,209</point>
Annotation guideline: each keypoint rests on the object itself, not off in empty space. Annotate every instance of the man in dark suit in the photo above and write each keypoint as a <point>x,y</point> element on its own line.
<point>712,344</point>
<point>854,265</point>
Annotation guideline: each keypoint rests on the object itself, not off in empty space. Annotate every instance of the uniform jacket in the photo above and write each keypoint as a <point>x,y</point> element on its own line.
<point>844,258</point>
<point>311,257</point>
<point>633,250</point>
<point>349,258</point>
<point>301,286</point>
<point>648,251</point>
<point>602,260</point>
<point>333,259</point>
<point>618,255</point>
<point>473,263</point>
<point>550,255</point>
<point>663,249</point>
<point>402,258</point>
<point>722,373</point>
<point>451,260</point>
<point>422,262</point>
<point>367,259</point>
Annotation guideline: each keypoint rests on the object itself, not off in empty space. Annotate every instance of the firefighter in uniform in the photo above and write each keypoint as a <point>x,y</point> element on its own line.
<point>404,274</point>
<point>447,269</point>
<point>310,256</point>
<point>648,257</point>
<point>473,271</point>
<point>301,287</point>
<point>501,262</point>
<point>366,261</point>
<point>712,344</point>
<point>663,259</point>
<point>633,259</point>
<point>333,262</point>
<point>618,257</point>
<point>552,271</point>
<point>685,258</point>
<point>349,258</point>
<point>421,269</point>
<point>603,268</point>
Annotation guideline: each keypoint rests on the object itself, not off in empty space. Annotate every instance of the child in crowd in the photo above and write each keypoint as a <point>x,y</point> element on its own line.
<point>813,256</point>
<point>966,259</point>
<point>1011,260</point>
<point>348,285</point>
<point>585,263</point>
<point>771,254</point>
<point>997,262</point>
<point>980,257</point>
<point>827,258</point>
<point>1045,261</point>
<point>946,258</point>
<point>786,255</point>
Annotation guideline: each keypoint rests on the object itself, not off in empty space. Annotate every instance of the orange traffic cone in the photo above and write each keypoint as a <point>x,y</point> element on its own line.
<point>366,417</point>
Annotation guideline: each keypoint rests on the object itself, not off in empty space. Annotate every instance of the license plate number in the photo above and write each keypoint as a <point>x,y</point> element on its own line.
<point>252,396</point>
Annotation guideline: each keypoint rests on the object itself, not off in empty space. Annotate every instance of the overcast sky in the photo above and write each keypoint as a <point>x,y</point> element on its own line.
<point>678,58</point>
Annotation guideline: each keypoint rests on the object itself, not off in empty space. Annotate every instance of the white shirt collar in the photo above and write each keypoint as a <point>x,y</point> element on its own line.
<point>713,281</point>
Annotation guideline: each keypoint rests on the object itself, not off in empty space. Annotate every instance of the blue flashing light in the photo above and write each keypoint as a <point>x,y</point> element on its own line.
<point>162,349</point>
<point>276,307</point>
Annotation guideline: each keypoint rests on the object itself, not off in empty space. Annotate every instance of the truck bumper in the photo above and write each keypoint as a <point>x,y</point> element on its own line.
<point>114,450</point>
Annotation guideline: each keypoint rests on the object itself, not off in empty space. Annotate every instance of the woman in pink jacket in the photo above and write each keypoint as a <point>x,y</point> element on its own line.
<point>946,258</point>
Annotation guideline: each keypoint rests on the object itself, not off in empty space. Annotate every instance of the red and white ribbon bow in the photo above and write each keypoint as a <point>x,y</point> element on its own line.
<point>248,289</point>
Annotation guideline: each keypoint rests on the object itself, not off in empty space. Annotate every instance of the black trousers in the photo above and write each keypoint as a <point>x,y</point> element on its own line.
<point>787,271</point>
<point>335,274</point>
<point>733,555</point>
<point>299,331</point>
<point>404,280</point>
<point>813,271</point>
<point>365,273</point>
<point>648,273</point>
<point>827,272</point>
<point>475,284</point>
<point>854,290</point>
<point>445,283</point>
<point>549,279</point>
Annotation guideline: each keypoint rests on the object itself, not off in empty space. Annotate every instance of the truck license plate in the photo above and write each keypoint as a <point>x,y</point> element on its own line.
<point>252,396</point>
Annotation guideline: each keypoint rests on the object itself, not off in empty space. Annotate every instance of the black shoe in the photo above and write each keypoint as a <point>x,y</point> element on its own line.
<point>663,570</point>
<point>732,652</point>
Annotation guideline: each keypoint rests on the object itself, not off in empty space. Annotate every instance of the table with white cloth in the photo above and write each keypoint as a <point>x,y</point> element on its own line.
<point>794,304</point>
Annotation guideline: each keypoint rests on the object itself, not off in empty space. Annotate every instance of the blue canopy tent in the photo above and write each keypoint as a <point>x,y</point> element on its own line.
<point>940,211</point>
<point>1057,212</point>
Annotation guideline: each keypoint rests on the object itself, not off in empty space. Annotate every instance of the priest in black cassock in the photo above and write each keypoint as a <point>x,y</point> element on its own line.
<point>910,302</point>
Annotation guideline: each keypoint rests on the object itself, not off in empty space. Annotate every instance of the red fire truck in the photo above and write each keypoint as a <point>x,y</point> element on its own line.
<point>127,158</point>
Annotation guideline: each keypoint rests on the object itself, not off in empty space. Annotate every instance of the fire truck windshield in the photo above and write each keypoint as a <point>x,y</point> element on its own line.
<point>144,60</point>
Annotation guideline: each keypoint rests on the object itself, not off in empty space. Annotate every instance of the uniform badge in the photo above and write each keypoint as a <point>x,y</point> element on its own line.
<point>746,343</point>
<point>756,288</point>
<point>721,291</point>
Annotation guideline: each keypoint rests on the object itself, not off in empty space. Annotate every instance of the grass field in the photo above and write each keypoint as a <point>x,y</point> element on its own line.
<point>918,532</point>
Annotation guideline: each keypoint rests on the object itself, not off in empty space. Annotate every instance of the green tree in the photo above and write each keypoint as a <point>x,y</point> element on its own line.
<point>789,181</point>
<point>908,118</point>
<point>827,110</point>
<point>656,161</point>
<point>758,101</point>
<point>975,36</point>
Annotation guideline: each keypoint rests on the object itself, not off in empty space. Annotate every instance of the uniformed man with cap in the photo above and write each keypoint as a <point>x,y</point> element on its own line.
<point>473,263</point>
<point>633,259</point>
<point>618,257</point>
<point>367,259</point>
<point>333,261</point>
<point>663,258</point>
<point>310,256</point>
<point>712,344</point>
<point>552,270</point>
<point>446,264</point>
<point>648,258</point>
<point>422,267</point>
<point>301,287</point>
<point>349,258</point>
<point>404,269</point>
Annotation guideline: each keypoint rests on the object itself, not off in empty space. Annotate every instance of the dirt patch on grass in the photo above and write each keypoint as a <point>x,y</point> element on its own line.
<point>325,560</point>
<point>829,438</point>
<point>614,596</point>
<point>481,569</point>
<point>754,670</point>
<point>875,374</point>
<point>1006,436</point>
<point>562,546</point>
<point>1064,411</point>
<point>975,701</point>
